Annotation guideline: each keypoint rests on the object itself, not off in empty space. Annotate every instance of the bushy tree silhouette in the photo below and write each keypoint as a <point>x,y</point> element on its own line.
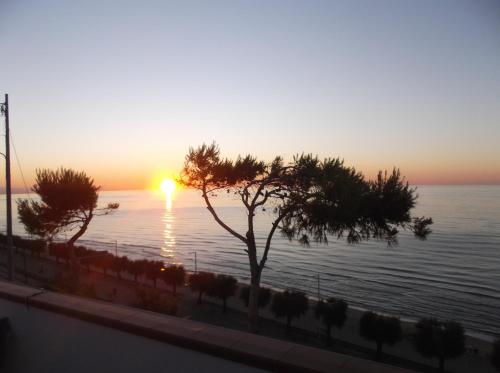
<point>223,287</point>
<point>311,200</point>
<point>443,340</point>
<point>137,268</point>
<point>174,275</point>
<point>290,304</point>
<point>332,312</point>
<point>68,203</point>
<point>201,282</point>
<point>153,270</point>
<point>264,296</point>
<point>380,329</point>
<point>119,264</point>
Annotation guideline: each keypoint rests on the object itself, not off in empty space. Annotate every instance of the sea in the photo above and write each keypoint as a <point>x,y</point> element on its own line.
<point>453,275</point>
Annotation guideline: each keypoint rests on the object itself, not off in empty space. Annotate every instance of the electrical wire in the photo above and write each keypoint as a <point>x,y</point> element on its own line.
<point>19,166</point>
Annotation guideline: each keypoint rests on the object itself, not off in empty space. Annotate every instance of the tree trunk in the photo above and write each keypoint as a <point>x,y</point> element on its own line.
<point>379,350</point>
<point>71,248</point>
<point>199,297</point>
<point>253,305</point>
<point>441,363</point>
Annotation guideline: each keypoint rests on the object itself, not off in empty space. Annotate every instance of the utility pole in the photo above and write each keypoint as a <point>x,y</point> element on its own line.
<point>8,191</point>
<point>195,263</point>
<point>319,295</point>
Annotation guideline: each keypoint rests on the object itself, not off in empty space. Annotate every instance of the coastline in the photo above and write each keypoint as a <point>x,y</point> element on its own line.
<point>347,339</point>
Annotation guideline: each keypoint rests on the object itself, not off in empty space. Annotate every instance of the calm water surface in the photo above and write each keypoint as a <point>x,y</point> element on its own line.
<point>455,274</point>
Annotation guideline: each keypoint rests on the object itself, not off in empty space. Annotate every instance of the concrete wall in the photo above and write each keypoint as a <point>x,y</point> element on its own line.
<point>42,342</point>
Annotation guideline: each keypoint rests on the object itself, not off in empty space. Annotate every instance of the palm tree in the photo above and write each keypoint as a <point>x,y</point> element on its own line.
<point>201,282</point>
<point>443,340</point>
<point>290,304</point>
<point>332,312</point>
<point>223,287</point>
<point>380,329</point>
<point>174,275</point>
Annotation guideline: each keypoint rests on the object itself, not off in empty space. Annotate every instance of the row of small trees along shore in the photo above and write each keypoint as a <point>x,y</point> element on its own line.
<point>431,337</point>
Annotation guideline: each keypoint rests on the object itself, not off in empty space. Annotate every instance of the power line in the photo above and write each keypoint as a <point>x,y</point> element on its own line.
<point>19,166</point>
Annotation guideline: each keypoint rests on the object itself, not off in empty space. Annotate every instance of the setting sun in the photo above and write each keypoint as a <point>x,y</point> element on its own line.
<point>168,186</point>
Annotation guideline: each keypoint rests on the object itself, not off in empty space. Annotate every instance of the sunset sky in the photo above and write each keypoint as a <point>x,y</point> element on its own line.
<point>122,89</point>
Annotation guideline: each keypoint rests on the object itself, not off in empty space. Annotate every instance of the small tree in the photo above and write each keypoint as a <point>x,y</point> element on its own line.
<point>311,199</point>
<point>223,287</point>
<point>495,354</point>
<point>153,269</point>
<point>443,340</point>
<point>290,304</point>
<point>380,329</point>
<point>332,312</point>
<point>136,268</point>
<point>174,275</point>
<point>264,296</point>
<point>68,203</point>
<point>201,282</point>
<point>119,264</point>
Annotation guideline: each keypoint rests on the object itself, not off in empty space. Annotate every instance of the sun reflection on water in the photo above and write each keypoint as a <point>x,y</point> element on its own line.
<point>168,248</point>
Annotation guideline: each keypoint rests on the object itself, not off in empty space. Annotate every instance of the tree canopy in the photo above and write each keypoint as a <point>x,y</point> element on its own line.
<point>332,312</point>
<point>444,340</point>
<point>68,202</point>
<point>290,304</point>
<point>311,199</point>
<point>380,329</point>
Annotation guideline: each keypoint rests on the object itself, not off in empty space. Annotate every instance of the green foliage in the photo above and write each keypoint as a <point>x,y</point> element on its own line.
<point>444,340</point>
<point>263,299</point>
<point>201,282</point>
<point>119,264</point>
<point>313,198</point>
<point>223,287</point>
<point>174,275</point>
<point>153,269</point>
<point>332,312</point>
<point>136,268</point>
<point>380,329</point>
<point>495,354</point>
<point>290,304</point>
<point>68,201</point>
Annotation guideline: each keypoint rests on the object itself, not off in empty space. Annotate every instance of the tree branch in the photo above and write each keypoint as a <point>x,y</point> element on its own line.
<point>269,239</point>
<point>218,220</point>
